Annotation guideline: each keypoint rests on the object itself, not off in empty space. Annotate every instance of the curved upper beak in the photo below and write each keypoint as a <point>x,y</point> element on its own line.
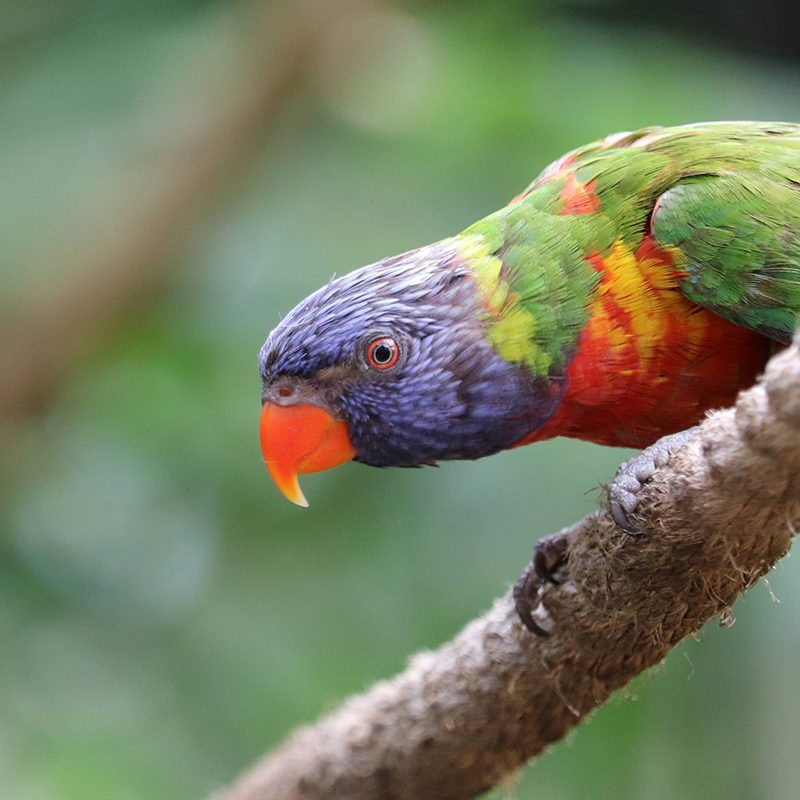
<point>302,438</point>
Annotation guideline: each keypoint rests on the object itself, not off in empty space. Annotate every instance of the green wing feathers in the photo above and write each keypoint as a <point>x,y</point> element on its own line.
<point>722,199</point>
<point>735,223</point>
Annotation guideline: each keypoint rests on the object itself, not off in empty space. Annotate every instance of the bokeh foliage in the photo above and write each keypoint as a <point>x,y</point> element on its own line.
<point>164,615</point>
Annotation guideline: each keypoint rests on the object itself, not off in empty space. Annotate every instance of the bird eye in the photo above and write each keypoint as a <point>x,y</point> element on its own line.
<point>383,353</point>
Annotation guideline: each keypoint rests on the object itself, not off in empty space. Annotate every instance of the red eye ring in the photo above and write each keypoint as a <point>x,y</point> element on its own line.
<point>383,353</point>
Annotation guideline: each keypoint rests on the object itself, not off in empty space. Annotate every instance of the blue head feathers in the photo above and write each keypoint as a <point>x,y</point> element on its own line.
<point>398,350</point>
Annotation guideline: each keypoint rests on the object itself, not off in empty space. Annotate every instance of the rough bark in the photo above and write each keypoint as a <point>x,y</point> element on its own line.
<point>460,719</point>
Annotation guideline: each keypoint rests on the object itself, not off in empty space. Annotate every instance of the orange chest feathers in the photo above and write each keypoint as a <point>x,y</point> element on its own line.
<point>649,362</point>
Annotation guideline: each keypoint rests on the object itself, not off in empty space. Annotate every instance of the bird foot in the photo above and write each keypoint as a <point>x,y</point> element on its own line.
<point>548,568</point>
<point>550,565</point>
<point>623,494</point>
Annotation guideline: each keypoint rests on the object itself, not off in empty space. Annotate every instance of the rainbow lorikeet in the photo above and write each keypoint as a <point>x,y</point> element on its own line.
<point>636,283</point>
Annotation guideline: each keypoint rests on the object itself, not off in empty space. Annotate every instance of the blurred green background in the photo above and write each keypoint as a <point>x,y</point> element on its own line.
<point>174,176</point>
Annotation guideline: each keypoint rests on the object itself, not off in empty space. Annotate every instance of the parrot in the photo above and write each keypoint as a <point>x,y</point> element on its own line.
<point>636,283</point>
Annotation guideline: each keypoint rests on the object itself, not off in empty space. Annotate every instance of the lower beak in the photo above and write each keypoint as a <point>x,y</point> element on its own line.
<point>299,439</point>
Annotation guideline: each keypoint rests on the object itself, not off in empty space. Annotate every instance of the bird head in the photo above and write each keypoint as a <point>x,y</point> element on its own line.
<point>390,365</point>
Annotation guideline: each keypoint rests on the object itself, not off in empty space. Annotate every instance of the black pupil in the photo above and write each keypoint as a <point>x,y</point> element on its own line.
<point>382,354</point>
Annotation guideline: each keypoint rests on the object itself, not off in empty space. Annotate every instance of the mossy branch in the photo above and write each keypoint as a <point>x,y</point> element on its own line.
<point>462,718</point>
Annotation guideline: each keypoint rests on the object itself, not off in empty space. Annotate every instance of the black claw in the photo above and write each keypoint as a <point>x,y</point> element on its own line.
<point>534,628</point>
<point>524,590</point>
<point>549,557</point>
<point>622,519</point>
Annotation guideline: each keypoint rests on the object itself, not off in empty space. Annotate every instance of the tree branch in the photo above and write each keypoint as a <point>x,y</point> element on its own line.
<point>460,719</point>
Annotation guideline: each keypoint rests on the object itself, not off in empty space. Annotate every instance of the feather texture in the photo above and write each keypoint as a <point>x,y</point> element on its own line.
<point>624,263</point>
<point>636,283</point>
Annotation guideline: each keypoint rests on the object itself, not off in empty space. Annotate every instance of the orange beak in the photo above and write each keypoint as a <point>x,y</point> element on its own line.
<point>299,439</point>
